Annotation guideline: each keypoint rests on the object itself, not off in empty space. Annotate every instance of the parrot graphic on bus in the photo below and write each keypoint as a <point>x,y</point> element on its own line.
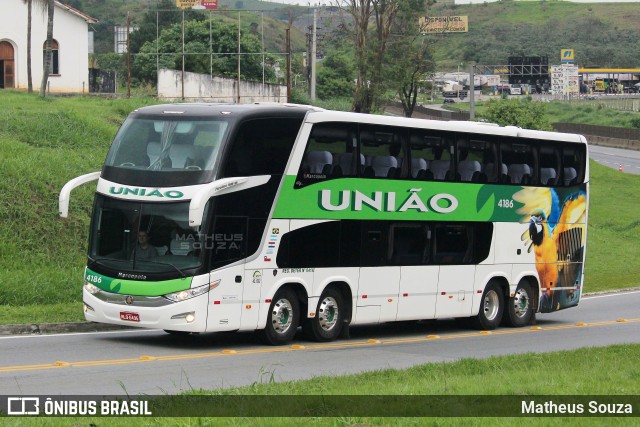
<point>557,235</point>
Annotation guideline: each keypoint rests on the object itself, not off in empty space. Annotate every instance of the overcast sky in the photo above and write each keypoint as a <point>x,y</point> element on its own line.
<point>572,1</point>
<point>328,2</point>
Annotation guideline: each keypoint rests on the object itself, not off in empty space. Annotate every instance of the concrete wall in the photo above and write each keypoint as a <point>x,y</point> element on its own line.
<point>628,144</point>
<point>69,30</point>
<point>203,87</point>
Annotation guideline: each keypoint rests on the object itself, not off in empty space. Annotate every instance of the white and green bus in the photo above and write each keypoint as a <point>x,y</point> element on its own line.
<point>273,217</point>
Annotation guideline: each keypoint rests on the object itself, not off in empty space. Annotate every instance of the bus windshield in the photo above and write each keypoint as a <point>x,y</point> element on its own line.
<point>185,144</point>
<point>143,237</point>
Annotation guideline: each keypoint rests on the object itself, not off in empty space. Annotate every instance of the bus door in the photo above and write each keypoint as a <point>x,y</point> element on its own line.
<point>410,248</point>
<point>226,246</point>
<point>378,285</point>
<point>453,251</point>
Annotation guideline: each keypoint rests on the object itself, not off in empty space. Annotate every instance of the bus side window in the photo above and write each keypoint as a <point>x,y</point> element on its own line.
<point>261,147</point>
<point>456,243</point>
<point>472,155</point>
<point>451,244</point>
<point>522,162</point>
<point>573,160</point>
<point>228,240</point>
<point>316,245</point>
<point>435,150</point>
<point>330,153</point>
<point>409,244</point>
<point>549,165</point>
<point>383,152</point>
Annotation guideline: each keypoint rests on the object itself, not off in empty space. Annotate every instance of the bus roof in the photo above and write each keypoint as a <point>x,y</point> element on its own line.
<point>236,110</point>
<point>456,126</point>
<point>319,115</point>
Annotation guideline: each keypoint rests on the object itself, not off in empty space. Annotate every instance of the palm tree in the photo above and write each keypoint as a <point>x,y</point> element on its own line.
<point>29,4</point>
<point>47,57</point>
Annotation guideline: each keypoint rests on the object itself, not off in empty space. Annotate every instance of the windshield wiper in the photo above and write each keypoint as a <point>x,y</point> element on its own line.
<point>164,263</point>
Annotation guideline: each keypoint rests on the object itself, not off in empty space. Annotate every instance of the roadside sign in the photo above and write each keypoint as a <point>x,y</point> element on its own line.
<point>197,4</point>
<point>567,56</point>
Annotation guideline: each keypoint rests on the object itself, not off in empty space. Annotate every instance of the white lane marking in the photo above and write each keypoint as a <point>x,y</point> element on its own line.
<point>4,337</point>
<point>611,295</point>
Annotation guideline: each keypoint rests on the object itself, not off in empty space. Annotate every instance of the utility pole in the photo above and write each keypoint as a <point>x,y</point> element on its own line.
<point>128,56</point>
<point>312,59</point>
<point>288,77</point>
<point>239,78</point>
<point>182,76</point>
<point>472,93</point>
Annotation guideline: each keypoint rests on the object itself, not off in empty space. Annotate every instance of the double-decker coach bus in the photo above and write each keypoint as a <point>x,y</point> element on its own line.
<point>270,217</point>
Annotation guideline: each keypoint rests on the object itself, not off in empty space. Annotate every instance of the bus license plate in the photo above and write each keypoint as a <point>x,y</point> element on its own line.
<point>131,317</point>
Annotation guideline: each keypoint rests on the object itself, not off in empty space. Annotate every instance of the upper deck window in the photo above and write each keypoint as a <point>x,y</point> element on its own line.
<point>167,145</point>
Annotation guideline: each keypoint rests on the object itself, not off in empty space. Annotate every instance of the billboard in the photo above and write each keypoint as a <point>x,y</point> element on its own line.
<point>197,4</point>
<point>564,79</point>
<point>444,24</point>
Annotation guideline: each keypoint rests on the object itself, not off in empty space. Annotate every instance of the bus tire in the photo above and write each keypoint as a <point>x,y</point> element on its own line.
<point>328,321</point>
<point>491,308</point>
<point>283,320</point>
<point>177,333</point>
<point>520,306</point>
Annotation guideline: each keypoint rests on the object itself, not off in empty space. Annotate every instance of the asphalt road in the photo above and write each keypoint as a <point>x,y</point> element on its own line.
<point>152,362</point>
<point>614,157</point>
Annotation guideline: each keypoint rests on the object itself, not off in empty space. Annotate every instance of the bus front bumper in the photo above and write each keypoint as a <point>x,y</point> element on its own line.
<point>146,312</point>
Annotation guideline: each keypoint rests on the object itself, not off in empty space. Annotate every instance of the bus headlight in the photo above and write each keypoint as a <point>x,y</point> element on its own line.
<point>91,288</point>
<point>187,293</point>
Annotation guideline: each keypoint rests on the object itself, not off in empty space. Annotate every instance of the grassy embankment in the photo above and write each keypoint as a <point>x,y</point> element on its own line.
<point>43,144</point>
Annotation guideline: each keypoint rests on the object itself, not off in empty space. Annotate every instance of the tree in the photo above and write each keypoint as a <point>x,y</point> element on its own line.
<point>514,112</point>
<point>335,76</point>
<point>371,50</point>
<point>29,4</point>
<point>413,65</point>
<point>47,56</point>
<point>360,12</point>
<point>410,57</point>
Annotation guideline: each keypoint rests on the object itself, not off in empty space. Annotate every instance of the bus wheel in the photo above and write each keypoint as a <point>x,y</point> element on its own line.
<point>491,308</point>
<point>328,321</point>
<point>284,316</point>
<point>520,307</point>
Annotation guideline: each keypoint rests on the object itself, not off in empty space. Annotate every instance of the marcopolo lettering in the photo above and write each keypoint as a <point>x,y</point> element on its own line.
<point>388,202</point>
<point>146,192</point>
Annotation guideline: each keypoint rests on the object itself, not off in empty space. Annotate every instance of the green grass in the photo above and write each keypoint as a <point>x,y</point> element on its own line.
<point>592,113</point>
<point>44,143</point>
<point>612,243</point>
<point>557,373</point>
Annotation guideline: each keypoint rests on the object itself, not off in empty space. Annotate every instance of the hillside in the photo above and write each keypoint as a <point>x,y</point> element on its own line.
<point>602,34</point>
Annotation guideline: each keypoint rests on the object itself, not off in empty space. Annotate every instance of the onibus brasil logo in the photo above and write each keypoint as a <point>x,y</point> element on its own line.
<point>388,201</point>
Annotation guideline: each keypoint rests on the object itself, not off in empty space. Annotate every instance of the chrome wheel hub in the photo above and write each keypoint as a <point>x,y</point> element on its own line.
<point>521,303</point>
<point>328,313</point>
<point>491,305</point>
<point>282,316</point>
